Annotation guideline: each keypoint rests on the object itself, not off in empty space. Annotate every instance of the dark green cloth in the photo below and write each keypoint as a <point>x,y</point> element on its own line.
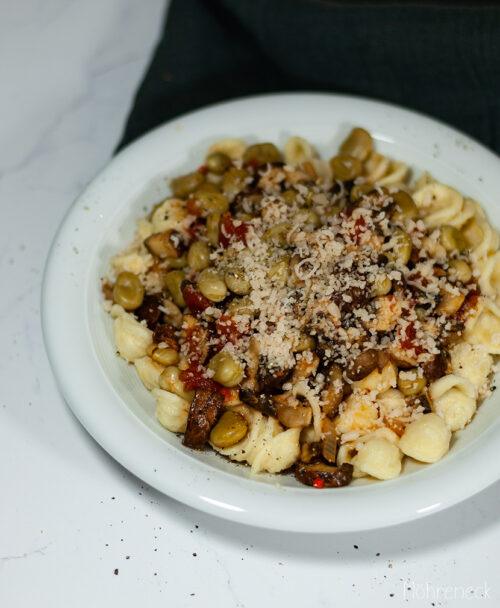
<point>440,58</point>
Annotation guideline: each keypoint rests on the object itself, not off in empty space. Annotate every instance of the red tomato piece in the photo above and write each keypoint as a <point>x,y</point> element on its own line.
<point>407,338</point>
<point>232,230</point>
<point>195,300</point>
<point>194,377</point>
<point>228,330</point>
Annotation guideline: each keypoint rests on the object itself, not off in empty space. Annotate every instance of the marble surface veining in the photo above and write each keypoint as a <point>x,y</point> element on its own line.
<point>76,529</point>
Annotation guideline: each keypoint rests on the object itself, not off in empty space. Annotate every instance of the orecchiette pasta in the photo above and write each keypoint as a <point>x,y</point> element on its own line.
<point>131,337</point>
<point>234,148</point>
<point>171,410</point>
<point>454,398</point>
<point>297,150</point>
<point>288,310</point>
<point>473,362</point>
<point>149,372</point>
<point>483,327</point>
<point>379,458</point>
<point>441,204</point>
<point>489,274</point>
<point>426,439</point>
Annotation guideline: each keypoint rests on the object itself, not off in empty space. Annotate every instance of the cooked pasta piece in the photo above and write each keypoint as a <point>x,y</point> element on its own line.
<point>149,372</point>
<point>454,398</point>
<point>440,204</point>
<point>426,439</point>
<point>472,362</point>
<point>131,337</point>
<point>379,458</point>
<point>297,150</point>
<point>234,148</point>
<point>483,326</point>
<point>171,410</point>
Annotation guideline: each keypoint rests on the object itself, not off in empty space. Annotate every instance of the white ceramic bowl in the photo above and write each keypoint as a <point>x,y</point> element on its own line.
<point>109,399</point>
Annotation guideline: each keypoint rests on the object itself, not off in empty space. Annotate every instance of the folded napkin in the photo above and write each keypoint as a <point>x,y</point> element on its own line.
<point>439,58</point>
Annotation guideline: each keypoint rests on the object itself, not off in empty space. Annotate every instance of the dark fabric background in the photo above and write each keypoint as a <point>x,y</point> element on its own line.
<point>440,58</point>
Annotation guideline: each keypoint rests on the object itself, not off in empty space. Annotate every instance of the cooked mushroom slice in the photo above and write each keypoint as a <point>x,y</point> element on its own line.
<point>310,452</point>
<point>363,365</point>
<point>262,402</point>
<point>329,447</point>
<point>292,416</point>
<point>165,333</point>
<point>204,412</point>
<point>331,477</point>
<point>436,367</point>
<point>382,359</point>
<point>333,393</point>
<point>329,441</point>
<point>166,244</point>
<point>271,381</point>
<point>252,367</point>
<point>148,311</point>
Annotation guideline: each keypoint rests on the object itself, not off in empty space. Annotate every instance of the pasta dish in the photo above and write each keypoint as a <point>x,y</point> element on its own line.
<point>325,318</point>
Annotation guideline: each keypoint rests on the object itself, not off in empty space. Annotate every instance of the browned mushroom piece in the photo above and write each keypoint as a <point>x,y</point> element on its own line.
<point>333,393</point>
<point>166,244</point>
<point>363,364</point>
<point>436,367</point>
<point>163,332</point>
<point>261,402</point>
<point>252,367</point>
<point>310,452</point>
<point>329,443</point>
<point>206,408</point>
<point>270,381</point>
<point>422,400</point>
<point>329,447</point>
<point>148,311</point>
<point>330,476</point>
<point>383,359</point>
<point>292,415</point>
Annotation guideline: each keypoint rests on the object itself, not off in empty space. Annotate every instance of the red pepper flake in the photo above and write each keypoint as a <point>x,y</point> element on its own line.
<point>194,377</point>
<point>231,230</point>
<point>203,169</point>
<point>195,300</point>
<point>318,483</point>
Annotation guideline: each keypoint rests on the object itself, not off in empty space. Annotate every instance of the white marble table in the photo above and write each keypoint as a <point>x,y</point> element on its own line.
<point>76,529</point>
